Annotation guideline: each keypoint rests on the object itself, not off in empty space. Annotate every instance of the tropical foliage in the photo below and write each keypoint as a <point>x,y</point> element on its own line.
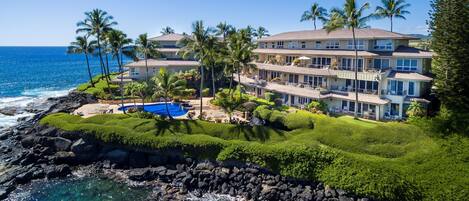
<point>315,13</point>
<point>82,45</point>
<point>392,9</point>
<point>147,49</point>
<point>167,85</point>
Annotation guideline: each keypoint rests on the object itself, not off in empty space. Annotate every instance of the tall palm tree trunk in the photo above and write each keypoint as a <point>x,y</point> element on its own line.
<point>239,83</point>
<point>213,82</point>
<point>355,114</point>
<point>231,83</point>
<point>314,21</point>
<point>391,22</point>
<point>167,108</point>
<point>146,67</point>
<point>201,88</point>
<point>102,62</point>
<point>89,70</point>
<point>121,85</point>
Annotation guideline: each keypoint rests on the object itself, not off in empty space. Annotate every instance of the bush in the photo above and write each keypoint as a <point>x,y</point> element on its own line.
<point>206,92</point>
<point>269,96</point>
<point>317,107</point>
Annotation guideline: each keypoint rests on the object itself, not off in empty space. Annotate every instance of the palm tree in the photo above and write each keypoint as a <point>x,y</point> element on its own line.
<point>130,89</point>
<point>168,85</point>
<point>314,13</point>
<point>142,91</point>
<point>96,23</point>
<point>392,9</point>
<point>147,48</point>
<point>81,45</point>
<point>261,32</point>
<point>351,17</point>
<point>223,29</point>
<point>195,47</point>
<point>227,103</point>
<point>212,50</point>
<point>117,42</point>
<point>239,50</point>
<point>167,30</point>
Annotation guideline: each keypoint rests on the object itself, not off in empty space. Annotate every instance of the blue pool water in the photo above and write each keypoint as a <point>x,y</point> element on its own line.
<point>175,109</point>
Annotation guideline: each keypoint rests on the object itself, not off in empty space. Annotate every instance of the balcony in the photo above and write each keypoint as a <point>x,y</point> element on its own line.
<point>351,89</point>
<point>394,92</point>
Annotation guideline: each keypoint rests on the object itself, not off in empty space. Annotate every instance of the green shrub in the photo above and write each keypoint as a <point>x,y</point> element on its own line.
<point>318,107</point>
<point>270,97</point>
<point>206,92</point>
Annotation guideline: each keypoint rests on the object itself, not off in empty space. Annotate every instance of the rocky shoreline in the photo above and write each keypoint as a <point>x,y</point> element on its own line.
<point>30,151</point>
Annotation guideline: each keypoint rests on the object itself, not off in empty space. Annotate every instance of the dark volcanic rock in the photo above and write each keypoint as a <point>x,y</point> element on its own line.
<point>118,156</point>
<point>138,160</point>
<point>84,150</point>
<point>58,171</point>
<point>9,111</point>
<point>61,144</point>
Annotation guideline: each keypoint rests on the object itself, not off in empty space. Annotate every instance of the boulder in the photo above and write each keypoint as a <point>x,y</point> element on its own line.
<point>61,144</point>
<point>57,171</point>
<point>157,160</point>
<point>117,156</point>
<point>85,151</point>
<point>9,111</point>
<point>138,160</point>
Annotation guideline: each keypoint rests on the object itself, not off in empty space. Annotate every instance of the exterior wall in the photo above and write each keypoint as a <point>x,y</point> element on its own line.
<point>168,44</point>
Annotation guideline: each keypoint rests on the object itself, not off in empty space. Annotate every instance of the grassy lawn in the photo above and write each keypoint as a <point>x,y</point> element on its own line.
<point>390,161</point>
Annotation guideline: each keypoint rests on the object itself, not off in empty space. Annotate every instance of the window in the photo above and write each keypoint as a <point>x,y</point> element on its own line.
<point>406,64</point>
<point>411,88</point>
<point>314,81</point>
<point>360,44</point>
<point>362,85</point>
<point>383,44</point>
<point>332,44</point>
<point>351,108</point>
<point>318,45</point>
<point>261,45</point>
<point>272,45</point>
<point>292,44</point>
<point>394,109</point>
<point>134,71</point>
<point>274,74</point>
<point>303,100</point>
<point>319,62</point>
<point>344,105</point>
<point>290,59</point>
<point>293,78</point>
<point>303,44</point>
<point>349,64</point>
<point>292,100</point>
<point>372,108</point>
<point>280,44</point>
<point>381,63</point>
<point>395,87</point>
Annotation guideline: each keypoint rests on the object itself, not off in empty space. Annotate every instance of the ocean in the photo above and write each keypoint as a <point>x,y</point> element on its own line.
<point>30,75</point>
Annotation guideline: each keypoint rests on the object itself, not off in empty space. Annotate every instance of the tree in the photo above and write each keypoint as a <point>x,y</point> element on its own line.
<point>130,89</point>
<point>96,23</point>
<point>239,50</point>
<point>167,30</point>
<point>449,22</point>
<point>261,32</point>
<point>227,103</point>
<point>212,50</point>
<point>223,29</point>
<point>351,17</point>
<point>147,49</point>
<point>415,110</point>
<point>195,47</point>
<point>117,42</point>
<point>392,9</point>
<point>314,13</point>
<point>142,91</point>
<point>82,45</point>
<point>168,85</point>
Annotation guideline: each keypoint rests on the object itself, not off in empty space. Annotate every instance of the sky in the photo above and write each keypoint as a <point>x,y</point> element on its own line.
<point>53,22</point>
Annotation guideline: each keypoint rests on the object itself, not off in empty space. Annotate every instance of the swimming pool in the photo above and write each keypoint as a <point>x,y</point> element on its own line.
<point>175,109</point>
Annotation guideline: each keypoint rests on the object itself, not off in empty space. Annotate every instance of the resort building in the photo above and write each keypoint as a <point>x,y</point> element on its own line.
<point>303,66</point>
<point>168,47</point>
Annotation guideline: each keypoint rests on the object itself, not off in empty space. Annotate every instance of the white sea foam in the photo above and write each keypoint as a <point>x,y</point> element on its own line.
<point>27,98</point>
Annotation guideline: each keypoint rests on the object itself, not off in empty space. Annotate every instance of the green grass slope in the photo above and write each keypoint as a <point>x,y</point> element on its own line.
<point>389,161</point>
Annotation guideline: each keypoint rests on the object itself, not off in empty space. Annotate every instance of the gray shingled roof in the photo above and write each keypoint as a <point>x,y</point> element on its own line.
<point>163,63</point>
<point>169,37</point>
<point>404,51</point>
<point>409,76</point>
<point>339,34</point>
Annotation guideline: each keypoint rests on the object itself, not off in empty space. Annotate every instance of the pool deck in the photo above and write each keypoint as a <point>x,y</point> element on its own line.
<point>213,112</point>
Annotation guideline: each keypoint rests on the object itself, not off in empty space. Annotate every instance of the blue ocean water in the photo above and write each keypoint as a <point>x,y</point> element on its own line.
<point>32,74</point>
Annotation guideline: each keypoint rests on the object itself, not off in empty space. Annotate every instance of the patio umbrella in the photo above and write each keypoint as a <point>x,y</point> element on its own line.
<point>304,58</point>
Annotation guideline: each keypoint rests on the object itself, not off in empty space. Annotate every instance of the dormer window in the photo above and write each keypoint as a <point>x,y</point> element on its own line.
<point>360,44</point>
<point>383,45</point>
<point>318,45</point>
<point>333,44</point>
<point>280,44</point>
<point>292,44</point>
